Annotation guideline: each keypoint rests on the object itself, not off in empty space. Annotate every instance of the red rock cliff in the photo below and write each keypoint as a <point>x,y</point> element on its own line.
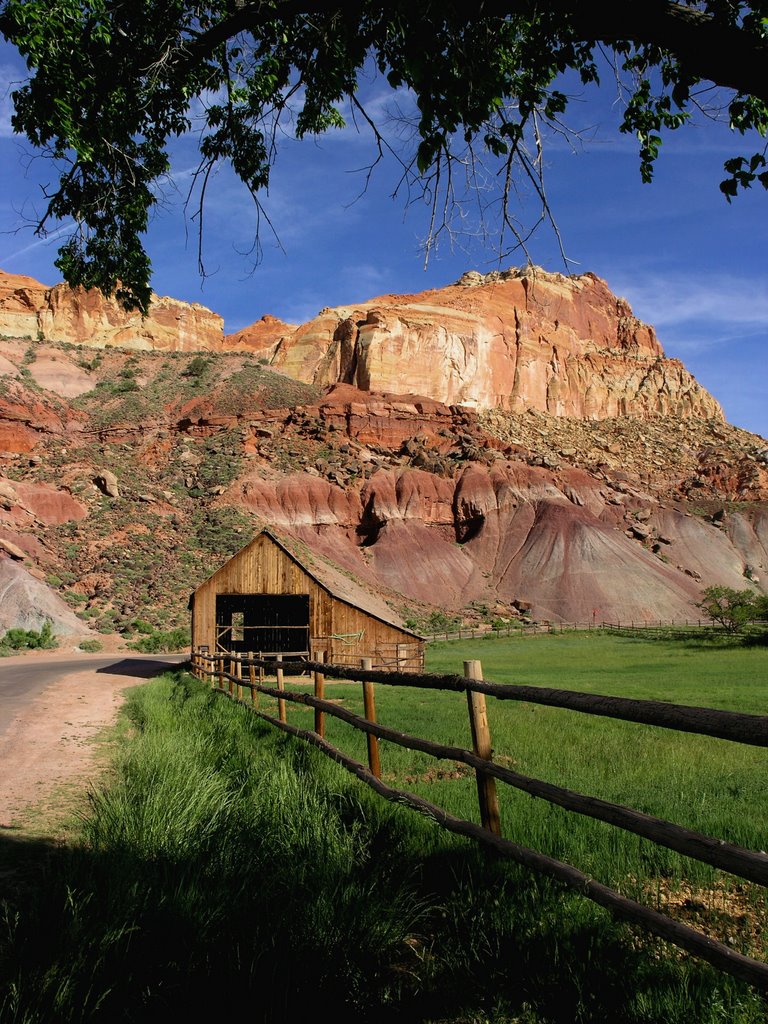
<point>515,340</point>
<point>30,309</point>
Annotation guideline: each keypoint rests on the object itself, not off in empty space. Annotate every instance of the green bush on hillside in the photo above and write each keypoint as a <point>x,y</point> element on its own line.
<point>91,646</point>
<point>197,367</point>
<point>30,639</point>
<point>162,641</point>
<point>435,622</point>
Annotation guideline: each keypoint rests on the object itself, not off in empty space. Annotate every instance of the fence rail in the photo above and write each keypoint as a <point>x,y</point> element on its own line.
<point>646,627</point>
<point>727,725</point>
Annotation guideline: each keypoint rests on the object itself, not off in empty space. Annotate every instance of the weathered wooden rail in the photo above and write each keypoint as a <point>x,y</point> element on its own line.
<point>234,675</point>
<point>678,629</point>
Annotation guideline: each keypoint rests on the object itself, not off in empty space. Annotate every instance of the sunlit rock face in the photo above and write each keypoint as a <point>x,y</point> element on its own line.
<point>29,309</point>
<point>513,340</point>
<point>521,339</point>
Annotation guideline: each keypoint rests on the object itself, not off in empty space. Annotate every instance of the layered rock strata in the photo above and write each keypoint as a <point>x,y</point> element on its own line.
<point>29,309</point>
<point>514,534</point>
<point>522,339</point>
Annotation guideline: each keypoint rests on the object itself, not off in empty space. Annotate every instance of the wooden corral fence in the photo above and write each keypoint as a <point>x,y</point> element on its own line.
<point>647,628</point>
<point>234,675</point>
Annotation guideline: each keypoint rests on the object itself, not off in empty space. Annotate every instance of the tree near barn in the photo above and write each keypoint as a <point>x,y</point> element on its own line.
<point>731,609</point>
<point>113,84</point>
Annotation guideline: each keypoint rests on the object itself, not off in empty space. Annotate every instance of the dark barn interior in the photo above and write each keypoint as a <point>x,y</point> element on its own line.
<point>268,623</point>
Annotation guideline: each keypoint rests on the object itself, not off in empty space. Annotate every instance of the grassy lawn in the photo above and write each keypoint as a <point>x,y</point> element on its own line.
<point>704,673</point>
<point>713,786</point>
<point>224,867</point>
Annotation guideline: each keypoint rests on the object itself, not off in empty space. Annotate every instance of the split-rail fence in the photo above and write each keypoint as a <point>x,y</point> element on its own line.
<point>233,675</point>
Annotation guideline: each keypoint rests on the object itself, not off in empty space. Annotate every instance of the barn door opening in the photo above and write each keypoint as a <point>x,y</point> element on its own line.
<point>266,623</point>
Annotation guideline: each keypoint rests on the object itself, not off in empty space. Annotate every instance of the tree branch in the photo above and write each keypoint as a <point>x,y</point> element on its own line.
<point>707,48</point>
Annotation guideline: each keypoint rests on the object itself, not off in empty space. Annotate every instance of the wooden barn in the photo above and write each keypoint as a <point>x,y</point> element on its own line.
<point>276,597</point>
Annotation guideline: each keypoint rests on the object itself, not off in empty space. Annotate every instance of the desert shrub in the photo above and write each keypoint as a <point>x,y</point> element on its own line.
<point>161,641</point>
<point>91,646</point>
<point>30,639</point>
<point>197,367</point>
<point>436,622</point>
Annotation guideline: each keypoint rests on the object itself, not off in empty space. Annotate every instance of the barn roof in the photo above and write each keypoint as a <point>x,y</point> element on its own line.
<point>333,579</point>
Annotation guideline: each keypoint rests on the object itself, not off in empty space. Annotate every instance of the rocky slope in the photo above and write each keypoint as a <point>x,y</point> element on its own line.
<point>127,477</point>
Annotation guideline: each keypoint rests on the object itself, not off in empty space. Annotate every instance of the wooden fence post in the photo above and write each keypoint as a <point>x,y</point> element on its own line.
<point>481,743</point>
<point>281,686</point>
<point>319,692</point>
<point>239,674</point>
<point>252,679</point>
<point>221,671</point>
<point>369,705</point>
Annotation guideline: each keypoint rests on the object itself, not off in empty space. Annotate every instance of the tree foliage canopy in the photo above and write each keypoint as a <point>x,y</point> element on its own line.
<point>732,609</point>
<point>113,83</point>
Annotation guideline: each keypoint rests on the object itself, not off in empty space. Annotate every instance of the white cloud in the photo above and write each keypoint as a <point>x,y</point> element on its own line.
<point>703,319</point>
<point>675,298</point>
<point>10,79</point>
<point>49,239</point>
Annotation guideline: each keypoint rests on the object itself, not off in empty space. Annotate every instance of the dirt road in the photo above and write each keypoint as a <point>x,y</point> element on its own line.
<point>52,707</point>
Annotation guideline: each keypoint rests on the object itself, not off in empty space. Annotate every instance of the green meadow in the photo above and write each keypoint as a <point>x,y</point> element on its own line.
<point>224,868</point>
<point>710,785</point>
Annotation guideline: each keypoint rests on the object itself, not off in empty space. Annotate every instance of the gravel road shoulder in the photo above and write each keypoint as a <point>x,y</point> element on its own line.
<point>49,753</point>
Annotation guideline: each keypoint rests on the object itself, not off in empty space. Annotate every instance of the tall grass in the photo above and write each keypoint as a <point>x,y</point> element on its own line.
<point>227,869</point>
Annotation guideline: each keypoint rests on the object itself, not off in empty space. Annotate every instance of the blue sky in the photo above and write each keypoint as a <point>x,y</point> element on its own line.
<point>687,261</point>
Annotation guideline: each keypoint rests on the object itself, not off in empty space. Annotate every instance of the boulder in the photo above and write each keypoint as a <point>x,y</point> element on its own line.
<point>106,481</point>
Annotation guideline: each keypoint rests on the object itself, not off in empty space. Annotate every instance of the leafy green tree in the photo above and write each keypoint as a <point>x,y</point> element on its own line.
<point>732,609</point>
<point>761,607</point>
<point>113,84</point>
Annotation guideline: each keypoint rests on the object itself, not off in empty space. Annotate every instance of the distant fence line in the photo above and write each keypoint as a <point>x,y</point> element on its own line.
<point>232,675</point>
<point>647,626</point>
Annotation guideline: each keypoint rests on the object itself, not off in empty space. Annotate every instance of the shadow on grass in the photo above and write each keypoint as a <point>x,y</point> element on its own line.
<point>236,872</point>
<point>24,862</point>
<point>712,641</point>
<point>115,937</point>
<point>756,639</point>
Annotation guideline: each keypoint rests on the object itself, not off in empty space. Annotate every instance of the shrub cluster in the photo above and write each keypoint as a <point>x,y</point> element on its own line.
<point>29,639</point>
<point>162,641</point>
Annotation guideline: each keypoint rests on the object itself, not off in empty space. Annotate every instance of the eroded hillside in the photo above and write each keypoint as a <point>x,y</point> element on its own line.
<point>127,477</point>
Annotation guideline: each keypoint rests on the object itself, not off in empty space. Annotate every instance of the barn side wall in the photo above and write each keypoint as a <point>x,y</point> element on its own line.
<point>339,630</point>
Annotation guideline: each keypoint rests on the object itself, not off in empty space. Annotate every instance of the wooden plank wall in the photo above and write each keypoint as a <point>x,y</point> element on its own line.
<point>263,568</point>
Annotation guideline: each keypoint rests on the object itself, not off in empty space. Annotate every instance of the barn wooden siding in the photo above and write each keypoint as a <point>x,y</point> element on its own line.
<point>338,629</point>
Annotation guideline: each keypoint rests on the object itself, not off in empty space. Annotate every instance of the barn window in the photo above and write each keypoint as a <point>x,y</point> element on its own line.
<point>263,623</point>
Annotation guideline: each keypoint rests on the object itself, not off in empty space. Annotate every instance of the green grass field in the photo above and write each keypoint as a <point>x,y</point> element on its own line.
<point>713,786</point>
<point>225,869</point>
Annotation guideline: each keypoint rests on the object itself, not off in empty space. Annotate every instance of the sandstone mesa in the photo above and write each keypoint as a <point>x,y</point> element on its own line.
<point>513,340</point>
